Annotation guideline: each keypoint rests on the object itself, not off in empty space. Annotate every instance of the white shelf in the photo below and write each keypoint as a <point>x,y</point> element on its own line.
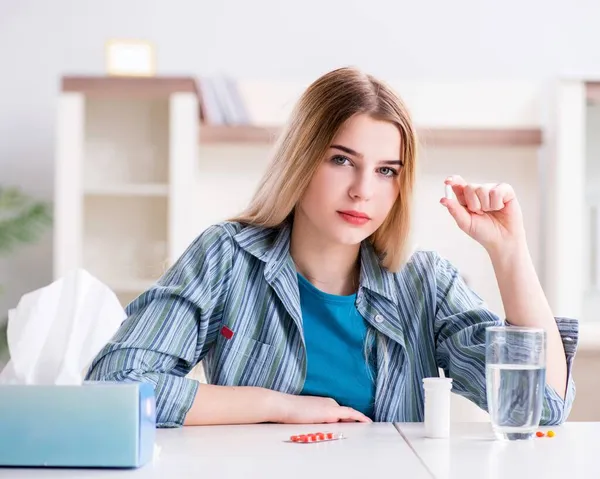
<point>126,174</point>
<point>572,199</point>
<point>126,142</point>
<point>128,189</point>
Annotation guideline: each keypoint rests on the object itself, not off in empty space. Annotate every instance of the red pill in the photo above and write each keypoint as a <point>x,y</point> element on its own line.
<point>315,437</point>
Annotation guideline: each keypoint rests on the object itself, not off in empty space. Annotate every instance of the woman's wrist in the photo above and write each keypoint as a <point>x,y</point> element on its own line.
<point>276,405</point>
<point>508,252</point>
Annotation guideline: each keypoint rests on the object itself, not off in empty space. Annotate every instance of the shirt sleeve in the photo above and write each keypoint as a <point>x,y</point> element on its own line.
<point>170,327</point>
<point>461,319</point>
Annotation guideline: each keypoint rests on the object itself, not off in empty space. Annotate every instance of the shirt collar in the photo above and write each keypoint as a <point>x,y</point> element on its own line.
<point>271,245</point>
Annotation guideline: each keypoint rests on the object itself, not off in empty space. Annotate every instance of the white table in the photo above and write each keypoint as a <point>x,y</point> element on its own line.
<point>260,451</point>
<point>473,452</point>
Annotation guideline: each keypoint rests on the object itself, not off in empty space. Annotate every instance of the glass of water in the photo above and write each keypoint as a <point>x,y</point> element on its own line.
<point>516,379</point>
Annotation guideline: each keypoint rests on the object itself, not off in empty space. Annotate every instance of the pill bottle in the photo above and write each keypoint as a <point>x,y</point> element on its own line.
<point>437,406</point>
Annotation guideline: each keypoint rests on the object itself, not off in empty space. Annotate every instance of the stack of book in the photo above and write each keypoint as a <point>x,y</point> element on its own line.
<point>221,102</point>
<point>225,101</point>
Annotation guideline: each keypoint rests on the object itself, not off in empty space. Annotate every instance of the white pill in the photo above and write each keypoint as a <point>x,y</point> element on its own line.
<point>449,194</point>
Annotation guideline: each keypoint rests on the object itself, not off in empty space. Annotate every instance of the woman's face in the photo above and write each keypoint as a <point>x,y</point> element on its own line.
<point>356,185</point>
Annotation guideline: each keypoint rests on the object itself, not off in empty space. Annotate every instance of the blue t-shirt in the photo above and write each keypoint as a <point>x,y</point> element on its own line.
<point>335,335</point>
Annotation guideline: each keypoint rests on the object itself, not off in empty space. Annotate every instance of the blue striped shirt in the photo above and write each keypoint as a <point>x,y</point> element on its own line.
<point>242,279</point>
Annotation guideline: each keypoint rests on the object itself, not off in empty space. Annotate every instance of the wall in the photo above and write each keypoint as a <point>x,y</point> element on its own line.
<point>435,40</point>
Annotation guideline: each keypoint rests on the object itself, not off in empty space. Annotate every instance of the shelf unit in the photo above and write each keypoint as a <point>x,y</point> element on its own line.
<point>447,114</point>
<point>573,200</point>
<point>126,175</point>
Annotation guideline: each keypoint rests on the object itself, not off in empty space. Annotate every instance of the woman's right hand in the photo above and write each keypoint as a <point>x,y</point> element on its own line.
<point>293,409</point>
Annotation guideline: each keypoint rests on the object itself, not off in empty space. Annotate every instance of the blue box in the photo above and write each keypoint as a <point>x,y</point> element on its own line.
<point>96,424</point>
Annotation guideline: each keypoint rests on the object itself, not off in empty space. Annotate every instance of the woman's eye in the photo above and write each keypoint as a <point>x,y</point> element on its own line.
<point>340,160</point>
<point>385,171</point>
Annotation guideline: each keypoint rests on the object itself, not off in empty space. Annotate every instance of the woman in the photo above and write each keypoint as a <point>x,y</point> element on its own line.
<point>309,308</point>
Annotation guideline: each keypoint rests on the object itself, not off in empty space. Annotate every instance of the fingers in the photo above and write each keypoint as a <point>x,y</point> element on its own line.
<point>347,414</point>
<point>472,198</point>
<point>457,183</point>
<point>493,196</point>
<point>327,410</point>
<point>500,195</point>
<point>458,212</point>
<point>480,198</point>
<point>483,195</point>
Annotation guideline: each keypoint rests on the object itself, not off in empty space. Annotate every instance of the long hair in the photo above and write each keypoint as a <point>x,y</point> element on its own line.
<point>317,117</point>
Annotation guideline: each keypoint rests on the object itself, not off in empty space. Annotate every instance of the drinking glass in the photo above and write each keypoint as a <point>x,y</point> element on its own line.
<point>516,378</point>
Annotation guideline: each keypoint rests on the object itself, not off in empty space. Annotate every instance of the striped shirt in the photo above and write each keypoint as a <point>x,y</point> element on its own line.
<point>241,279</point>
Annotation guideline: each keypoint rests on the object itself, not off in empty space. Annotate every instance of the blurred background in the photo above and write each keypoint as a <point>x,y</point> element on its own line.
<point>127,127</point>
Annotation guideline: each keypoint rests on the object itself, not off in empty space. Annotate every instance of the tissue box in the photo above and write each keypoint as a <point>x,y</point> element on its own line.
<point>96,424</point>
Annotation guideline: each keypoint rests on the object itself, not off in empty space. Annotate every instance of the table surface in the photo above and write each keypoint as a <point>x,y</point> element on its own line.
<point>261,451</point>
<point>473,452</point>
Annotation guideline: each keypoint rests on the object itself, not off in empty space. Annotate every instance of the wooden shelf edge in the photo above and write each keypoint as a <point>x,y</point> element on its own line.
<point>216,134</point>
<point>437,137</point>
<point>132,190</point>
<point>129,87</point>
<point>457,137</point>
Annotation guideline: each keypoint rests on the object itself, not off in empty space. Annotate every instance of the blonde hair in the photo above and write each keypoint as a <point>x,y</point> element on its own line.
<point>317,117</point>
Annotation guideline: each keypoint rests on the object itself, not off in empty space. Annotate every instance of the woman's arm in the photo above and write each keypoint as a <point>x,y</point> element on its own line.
<point>231,405</point>
<point>250,405</point>
<point>170,328</point>
<point>461,319</point>
<point>491,215</point>
<point>525,304</point>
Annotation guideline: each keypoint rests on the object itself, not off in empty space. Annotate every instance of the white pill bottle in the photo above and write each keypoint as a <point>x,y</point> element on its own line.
<point>437,407</point>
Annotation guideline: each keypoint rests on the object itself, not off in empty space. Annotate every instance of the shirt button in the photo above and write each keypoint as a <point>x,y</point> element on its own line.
<point>378,318</point>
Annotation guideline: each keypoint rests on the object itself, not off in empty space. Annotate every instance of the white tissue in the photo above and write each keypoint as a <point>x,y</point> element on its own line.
<point>55,332</point>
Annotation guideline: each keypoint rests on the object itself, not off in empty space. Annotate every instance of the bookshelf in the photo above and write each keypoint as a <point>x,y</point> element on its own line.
<point>447,115</point>
<point>573,203</point>
<point>125,175</point>
<point>572,217</point>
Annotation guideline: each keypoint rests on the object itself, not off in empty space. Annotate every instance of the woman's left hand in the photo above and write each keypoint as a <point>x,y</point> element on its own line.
<point>488,213</point>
